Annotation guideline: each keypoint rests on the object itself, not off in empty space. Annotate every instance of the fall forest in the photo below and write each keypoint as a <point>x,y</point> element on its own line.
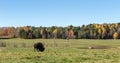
<point>90,31</point>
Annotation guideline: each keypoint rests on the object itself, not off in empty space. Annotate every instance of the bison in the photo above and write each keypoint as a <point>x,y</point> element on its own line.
<point>39,47</point>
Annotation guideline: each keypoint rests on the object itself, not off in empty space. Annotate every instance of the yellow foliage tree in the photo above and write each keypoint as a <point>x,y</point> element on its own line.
<point>115,35</point>
<point>55,30</point>
<point>55,33</point>
<point>97,26</point>
<point>99,31</point>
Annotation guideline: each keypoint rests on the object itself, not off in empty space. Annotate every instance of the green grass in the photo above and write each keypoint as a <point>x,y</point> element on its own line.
<point>60,51</point>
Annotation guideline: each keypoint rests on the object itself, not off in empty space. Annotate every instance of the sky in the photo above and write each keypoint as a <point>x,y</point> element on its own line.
<point>58,12</point>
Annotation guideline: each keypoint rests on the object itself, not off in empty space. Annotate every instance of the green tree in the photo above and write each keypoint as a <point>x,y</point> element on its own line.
<point>23,34</point>
<point>36,33</point>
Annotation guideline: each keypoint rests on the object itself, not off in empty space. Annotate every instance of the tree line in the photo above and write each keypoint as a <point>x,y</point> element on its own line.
<point>90,31</point>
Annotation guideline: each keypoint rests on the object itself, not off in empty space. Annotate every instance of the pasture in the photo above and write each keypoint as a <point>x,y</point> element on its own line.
<point>60,51</point>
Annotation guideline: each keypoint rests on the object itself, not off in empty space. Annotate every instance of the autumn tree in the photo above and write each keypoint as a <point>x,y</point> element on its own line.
<point>26,28</point>
<point>70,32</point>
<point>11,31</point>
<point>115,35</point>
<point>54,32</point>
<point>3,32</point>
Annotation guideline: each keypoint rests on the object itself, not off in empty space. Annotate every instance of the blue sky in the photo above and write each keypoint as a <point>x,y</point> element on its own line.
<point>58,12</point>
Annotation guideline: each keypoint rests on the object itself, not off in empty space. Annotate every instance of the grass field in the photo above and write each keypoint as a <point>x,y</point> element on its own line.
<point>60,51</point>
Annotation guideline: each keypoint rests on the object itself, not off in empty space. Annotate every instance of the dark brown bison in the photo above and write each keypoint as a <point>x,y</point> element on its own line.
<point>39,47</point>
